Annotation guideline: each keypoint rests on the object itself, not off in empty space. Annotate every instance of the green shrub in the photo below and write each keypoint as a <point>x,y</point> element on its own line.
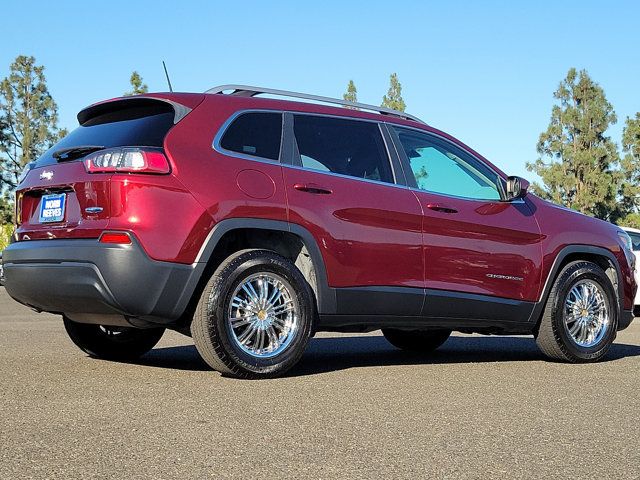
<point>6,230</point>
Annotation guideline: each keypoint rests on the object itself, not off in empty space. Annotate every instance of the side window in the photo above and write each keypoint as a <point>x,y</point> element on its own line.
<point>347,147</point>
<point>442,168</point>
<point>257,134</point>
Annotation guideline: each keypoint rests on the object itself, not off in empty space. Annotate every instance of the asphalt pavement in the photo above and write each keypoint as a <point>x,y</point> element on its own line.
<point>355,407</point>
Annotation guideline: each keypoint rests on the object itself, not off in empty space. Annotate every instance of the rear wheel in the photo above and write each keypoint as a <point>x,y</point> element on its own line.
<point>255,316</point>
<point>112,343</point>
<point>423,341</point>
<point>580,319</point>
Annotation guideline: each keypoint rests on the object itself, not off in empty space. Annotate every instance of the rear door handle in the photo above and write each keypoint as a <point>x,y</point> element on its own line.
<point>438,207</point>
<point>312,188</point>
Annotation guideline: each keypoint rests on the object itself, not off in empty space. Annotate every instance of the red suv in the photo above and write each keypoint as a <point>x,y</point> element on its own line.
<point>251,223</point>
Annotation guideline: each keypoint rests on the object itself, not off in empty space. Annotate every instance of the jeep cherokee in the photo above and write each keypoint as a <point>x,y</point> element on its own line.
<point>251,223</point>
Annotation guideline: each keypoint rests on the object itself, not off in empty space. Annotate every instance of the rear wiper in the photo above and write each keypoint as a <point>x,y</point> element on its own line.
<point>74,152</point>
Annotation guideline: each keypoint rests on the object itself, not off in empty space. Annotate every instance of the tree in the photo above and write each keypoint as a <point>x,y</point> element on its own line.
<point>578,163</point>
<point>630,185</point>
<point>6,209</point>
<point>393,98</point>
<point>28,119</point>
<point>630,220</point>
<point>136,84</point>
<point>351,94</point>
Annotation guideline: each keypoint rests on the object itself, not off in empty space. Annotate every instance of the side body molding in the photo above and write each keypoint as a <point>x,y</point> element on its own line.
<point>335,315</point>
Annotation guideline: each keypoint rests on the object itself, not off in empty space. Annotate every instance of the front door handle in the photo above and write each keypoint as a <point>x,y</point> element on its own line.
<point>312,188</point>
<point>439,207</point>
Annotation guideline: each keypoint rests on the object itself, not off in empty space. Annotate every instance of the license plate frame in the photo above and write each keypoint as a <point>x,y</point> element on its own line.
<point>52,208</point>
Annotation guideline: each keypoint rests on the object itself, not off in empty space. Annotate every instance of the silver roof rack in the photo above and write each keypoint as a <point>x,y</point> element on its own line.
<point>249,91</point>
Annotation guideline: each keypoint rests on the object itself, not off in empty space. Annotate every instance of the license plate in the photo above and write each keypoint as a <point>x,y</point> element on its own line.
<point>52,208</point>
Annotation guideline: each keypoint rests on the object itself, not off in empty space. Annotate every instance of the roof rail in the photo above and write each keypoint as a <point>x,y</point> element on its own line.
<point>249,91</point>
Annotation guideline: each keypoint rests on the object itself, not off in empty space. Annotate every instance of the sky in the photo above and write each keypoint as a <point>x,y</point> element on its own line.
<point>484,72</point>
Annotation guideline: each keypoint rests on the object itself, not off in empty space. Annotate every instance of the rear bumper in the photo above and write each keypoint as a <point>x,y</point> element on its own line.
<point>86,279</point>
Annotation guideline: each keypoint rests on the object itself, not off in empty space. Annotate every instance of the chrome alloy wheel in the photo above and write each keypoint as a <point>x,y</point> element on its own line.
<point>263,315</point>
<point>586,313</point>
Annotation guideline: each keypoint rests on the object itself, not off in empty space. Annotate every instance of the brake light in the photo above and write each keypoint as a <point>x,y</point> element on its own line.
<point>115,237</point>
<point>135,160</point>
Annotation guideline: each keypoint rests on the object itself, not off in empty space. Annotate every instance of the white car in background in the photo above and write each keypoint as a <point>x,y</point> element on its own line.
<point>634,233</point>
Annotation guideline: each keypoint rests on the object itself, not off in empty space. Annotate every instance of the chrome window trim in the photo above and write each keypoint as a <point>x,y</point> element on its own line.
<point>221,131</point>
<point>224,127</point>
<point>245,156</point>
<point>469,199</point>
<point>340,175</point>
<point>395,185</point>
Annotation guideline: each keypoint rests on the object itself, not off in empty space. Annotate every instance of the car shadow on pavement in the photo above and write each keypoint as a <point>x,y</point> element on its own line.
<point>332,354</point>
<point>341,353</point>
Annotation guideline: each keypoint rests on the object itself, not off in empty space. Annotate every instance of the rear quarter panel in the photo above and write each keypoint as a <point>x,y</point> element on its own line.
<point>213,179</point>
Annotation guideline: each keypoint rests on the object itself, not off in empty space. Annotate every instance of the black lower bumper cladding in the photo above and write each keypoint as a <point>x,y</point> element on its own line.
<point>89,277</point>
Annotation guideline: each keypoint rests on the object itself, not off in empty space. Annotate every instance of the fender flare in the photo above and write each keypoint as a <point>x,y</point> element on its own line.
<point>326,297</point>
<point>555,270</point>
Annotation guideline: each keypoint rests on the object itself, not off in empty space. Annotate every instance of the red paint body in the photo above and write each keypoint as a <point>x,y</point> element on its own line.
<point>368,233</point>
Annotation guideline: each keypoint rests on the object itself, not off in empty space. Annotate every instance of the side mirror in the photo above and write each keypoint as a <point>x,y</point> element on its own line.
<point>516,188</point>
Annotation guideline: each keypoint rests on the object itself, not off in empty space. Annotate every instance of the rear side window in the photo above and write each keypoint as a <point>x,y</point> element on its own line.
<point>347,147</point>
<point>257,134</point>
<point>139,126</point>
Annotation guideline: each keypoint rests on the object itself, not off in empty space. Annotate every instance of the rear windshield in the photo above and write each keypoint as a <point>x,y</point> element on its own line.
<point>143,126</point>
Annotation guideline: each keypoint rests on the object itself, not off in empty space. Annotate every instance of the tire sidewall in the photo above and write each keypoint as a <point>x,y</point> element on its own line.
<point>220,297</point>
<point>570,277</point>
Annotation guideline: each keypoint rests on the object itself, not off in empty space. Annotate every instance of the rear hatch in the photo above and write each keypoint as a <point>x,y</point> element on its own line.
<point>59,198</point>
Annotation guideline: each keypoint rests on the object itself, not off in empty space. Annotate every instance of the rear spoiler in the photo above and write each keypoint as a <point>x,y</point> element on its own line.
<point>92,111</point>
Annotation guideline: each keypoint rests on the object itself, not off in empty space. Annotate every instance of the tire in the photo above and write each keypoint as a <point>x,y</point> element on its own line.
<point>422,341</point>
<point>261,344</point>
<point>563,314</point>
<point>112,343</point>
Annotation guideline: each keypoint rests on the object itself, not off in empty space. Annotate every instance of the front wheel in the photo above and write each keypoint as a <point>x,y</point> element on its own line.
<point>255,316</point>
<point>580,319</point>
<point>112,343</point>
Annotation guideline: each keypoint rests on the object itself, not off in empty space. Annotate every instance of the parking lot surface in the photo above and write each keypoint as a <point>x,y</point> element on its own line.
<point>355,407</point>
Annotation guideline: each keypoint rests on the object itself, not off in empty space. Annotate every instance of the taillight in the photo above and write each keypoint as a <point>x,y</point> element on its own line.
<point>136,160</point>
<point>18,208</point>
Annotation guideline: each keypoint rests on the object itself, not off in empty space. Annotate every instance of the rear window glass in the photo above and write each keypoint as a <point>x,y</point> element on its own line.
<point>257,134</point>
<point>141,127</point>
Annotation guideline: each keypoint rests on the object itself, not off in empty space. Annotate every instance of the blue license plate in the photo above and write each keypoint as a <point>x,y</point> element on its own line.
<point>52,208</point>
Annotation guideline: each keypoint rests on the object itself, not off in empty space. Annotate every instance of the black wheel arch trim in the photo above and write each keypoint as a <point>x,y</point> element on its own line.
<point>555,270</point>
<point>326,297</point>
